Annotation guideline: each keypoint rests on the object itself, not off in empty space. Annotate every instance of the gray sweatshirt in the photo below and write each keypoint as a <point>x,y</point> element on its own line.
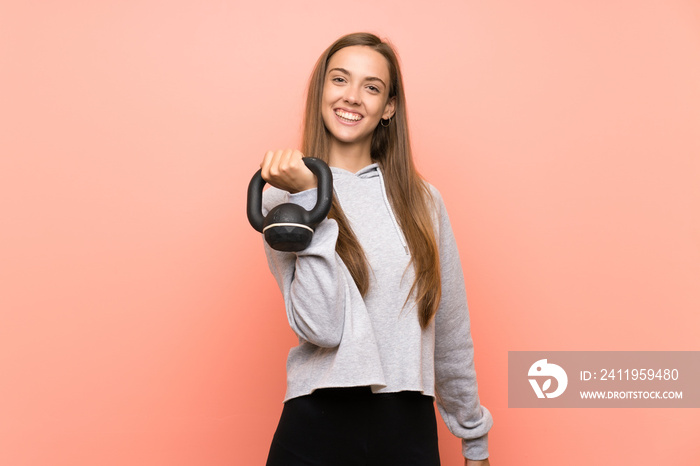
<point>346,340</point>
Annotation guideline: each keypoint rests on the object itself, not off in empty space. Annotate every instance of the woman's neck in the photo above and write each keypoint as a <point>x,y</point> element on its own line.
<point>351,157</point>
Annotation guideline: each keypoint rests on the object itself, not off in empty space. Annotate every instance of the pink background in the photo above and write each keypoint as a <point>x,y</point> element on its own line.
<point>139,324</point>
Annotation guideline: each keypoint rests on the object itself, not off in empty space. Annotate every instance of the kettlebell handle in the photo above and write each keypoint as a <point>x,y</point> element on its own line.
<point>313,217</point>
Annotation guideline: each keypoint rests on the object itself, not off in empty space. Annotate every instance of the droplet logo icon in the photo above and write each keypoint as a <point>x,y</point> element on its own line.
<point>544,369</point>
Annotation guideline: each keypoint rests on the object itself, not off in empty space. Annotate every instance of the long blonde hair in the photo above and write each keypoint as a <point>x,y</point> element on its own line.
<point>408,194</point>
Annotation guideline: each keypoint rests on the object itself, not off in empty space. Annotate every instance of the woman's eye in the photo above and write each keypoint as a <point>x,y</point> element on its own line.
<point>338,79</point>
<point>373,88</point>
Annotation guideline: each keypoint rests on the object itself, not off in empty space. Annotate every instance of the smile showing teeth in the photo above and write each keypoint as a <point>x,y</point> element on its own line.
<point>348,116</point>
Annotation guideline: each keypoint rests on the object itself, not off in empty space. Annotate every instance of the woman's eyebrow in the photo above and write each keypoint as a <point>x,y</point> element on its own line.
<point>368,78</point>
<point>342,70</point>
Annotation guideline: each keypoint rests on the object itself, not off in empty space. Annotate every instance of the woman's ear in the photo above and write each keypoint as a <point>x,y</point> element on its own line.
<point>389,108</point>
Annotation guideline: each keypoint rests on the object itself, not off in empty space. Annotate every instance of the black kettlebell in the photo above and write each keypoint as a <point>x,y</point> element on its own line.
<point>290,227</point>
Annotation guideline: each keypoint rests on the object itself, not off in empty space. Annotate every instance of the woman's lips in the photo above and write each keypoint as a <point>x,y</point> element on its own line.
<point>347,118</point>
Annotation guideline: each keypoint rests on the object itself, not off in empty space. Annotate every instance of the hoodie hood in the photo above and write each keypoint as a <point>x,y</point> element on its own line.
<point>370,171</point>
<point>366,174</point>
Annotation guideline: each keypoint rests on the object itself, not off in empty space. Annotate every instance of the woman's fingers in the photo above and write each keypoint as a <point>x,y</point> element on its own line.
<point>283,164</point>
<point>285,169</point>
<point>266,164</point>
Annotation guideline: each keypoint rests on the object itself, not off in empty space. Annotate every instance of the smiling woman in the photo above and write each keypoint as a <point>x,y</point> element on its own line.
<point>377,299</point>
<point>355,99</point>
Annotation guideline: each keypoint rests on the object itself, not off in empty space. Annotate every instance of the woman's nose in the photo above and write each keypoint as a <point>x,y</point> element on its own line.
<point>352,95</point>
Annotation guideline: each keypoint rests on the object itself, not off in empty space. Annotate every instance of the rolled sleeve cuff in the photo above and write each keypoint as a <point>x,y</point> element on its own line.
<point>305,199</point>
<point>476,449</point>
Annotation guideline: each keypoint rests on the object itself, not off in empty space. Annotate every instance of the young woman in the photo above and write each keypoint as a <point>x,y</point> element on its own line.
<point>377,299</point>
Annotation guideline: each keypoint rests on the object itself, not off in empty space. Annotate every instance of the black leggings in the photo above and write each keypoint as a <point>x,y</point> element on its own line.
<point>353,427</point>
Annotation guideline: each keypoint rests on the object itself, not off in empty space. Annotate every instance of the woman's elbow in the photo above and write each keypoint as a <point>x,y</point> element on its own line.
<point>319,323</point>
<point>327,339</point>
<point>326,334</point>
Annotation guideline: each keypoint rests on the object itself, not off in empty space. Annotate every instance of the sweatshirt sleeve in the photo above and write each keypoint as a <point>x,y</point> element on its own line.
<point>456,389</point>
<point>312,280</point>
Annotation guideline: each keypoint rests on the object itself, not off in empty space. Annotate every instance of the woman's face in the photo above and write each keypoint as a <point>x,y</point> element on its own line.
<point>356,94</point>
